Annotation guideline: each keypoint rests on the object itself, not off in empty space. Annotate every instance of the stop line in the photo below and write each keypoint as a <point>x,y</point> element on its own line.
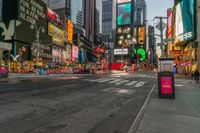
<point>118,82</point>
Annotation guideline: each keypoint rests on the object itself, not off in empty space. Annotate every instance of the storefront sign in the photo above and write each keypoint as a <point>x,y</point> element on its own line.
<point>120,51</point>
<point>69,31</point>
<point>45,51</point>
<point>166,85</point>
<point>54,17</point>
<point>56,33</point>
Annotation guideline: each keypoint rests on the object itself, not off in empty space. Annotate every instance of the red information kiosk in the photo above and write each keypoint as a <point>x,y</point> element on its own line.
<point>166,87</point>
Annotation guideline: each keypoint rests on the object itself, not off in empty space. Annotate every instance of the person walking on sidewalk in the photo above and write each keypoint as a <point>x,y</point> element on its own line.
<point>196,76</point>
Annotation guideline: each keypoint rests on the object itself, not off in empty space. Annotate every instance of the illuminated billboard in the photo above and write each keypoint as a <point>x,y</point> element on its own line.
<point>184,21</point>
<point>124,14</point>
<point>141,34</point>
<point>123,36</point>
<point>69,31</point>
<point>123,1</point>
<point>169,23</point>
<point>56,33</point>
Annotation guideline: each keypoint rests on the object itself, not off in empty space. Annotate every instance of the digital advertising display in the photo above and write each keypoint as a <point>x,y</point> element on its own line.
<point>141,33</point>
<point>124,14</point>
<point>123,1</point>
<point>166,85</point>
<point>169,23</point>
<point>56,33</point>
<point>69,31</point>
<point>185,21</point>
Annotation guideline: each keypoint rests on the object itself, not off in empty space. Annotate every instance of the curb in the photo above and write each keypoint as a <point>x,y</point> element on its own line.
<point>140,115</point>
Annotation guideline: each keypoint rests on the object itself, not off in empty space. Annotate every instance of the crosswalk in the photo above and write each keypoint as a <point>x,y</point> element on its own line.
<point>118,82</point>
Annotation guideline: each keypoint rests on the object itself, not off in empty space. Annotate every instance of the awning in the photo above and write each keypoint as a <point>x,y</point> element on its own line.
<point>5,46</point>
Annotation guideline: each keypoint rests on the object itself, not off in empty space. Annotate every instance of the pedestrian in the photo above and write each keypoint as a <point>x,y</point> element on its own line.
<point>196,76</point>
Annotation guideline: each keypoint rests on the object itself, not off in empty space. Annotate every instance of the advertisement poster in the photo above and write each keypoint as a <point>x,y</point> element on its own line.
<point>124,14</point>
<point>166,85</point>
<point>74,52</point>
<point>166,66</point>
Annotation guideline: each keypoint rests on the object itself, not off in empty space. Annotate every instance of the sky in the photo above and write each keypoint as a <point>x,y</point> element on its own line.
<point>158,7</point>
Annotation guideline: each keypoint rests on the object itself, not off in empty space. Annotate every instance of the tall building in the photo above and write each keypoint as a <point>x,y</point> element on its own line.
<point>107,20</point>
<point>89,19</point>
<point>151,40</point>
<point>141,12</point>
<point>77,12</point>
<point>72,9</point>
<point>97,22</point>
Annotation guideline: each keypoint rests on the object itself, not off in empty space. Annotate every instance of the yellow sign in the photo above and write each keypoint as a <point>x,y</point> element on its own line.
<point>141,32</point>
<point>69,31</point>
<point>56,33</point>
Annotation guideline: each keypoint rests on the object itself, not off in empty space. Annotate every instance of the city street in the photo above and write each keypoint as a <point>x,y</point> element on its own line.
<point>70,103</point>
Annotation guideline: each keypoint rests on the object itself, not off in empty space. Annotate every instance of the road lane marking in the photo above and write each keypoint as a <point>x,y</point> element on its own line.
<point>126,91</point>
<point>104,80</point>
<point>122,82</point>
<point>140,84</point>
<point>131,83</point>
<point>108,89</point>
<point>115,81</point>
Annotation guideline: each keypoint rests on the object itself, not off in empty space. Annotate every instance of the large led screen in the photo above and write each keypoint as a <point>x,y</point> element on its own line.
<point>184,22</point>
<point>124,14</point>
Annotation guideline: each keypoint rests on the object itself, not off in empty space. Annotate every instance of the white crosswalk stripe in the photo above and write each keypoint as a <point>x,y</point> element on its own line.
<point>122,82</point>
<point>104,80</point>
<point>115,81</point>
<point>131,83</point>
<point>118,82</point>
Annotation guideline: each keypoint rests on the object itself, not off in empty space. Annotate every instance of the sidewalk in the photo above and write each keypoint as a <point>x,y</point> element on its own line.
<point>180,115</point>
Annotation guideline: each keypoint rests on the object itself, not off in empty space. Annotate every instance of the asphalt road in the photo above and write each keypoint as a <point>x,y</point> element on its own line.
<point>73,103</point>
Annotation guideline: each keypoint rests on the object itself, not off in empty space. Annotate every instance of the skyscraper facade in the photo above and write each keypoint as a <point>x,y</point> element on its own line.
<point>141,12</point>
<point>77,12</point>
<point>107,20</point>
<point>89,19</point>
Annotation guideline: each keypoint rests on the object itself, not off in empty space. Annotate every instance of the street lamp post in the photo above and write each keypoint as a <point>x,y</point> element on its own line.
<point>161,33</point>
<point>37,40</point>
